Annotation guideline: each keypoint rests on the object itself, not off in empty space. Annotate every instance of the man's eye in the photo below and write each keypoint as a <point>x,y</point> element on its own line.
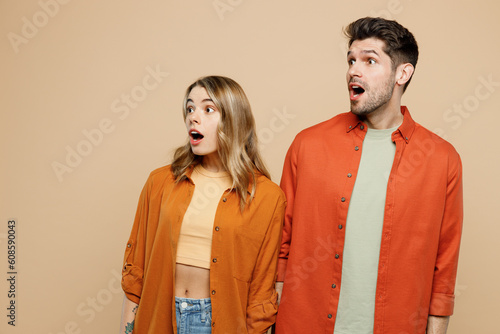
<point>371,61</point>
<point>351,61</point>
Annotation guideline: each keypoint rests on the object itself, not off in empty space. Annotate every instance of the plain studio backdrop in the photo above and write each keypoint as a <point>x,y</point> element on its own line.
<point>91,95</point>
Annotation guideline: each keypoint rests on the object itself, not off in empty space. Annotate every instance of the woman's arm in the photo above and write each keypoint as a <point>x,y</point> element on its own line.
<point>133,262</point>
<point>262,300</point>
<point>129,310</point>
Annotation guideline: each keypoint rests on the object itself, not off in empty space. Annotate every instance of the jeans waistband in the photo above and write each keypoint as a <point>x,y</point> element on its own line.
<point>190,305</point>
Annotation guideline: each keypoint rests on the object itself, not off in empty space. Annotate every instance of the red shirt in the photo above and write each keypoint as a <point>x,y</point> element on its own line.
<point>421,229</point>
<point>245,248</point>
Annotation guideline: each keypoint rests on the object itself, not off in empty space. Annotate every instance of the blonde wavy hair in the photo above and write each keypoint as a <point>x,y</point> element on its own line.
<point>236,137</point>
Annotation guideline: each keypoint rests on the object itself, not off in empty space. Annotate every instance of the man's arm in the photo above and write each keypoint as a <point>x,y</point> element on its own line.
<point>445,269</point>
<point>129,310</point>
<point>288,185</point>
<point>437,325</point>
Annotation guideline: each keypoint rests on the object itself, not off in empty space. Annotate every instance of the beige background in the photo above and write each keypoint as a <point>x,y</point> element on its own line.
<point>67,70</point>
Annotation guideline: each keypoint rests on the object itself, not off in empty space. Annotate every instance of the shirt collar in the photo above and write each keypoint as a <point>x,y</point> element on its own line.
<point>408,127</point>
<point>405,130</point>
<point>189,172</point>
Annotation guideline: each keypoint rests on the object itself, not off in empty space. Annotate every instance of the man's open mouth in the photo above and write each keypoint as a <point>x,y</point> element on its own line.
<point>356,91</point>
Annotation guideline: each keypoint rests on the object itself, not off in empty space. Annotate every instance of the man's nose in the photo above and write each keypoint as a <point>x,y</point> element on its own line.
<point>354,71</point>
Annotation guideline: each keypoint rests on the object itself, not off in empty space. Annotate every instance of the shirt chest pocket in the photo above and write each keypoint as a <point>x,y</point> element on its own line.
<point>247,245</point>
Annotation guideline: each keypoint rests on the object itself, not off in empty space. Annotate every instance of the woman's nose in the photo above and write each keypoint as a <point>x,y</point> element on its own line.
<point>194,117</point>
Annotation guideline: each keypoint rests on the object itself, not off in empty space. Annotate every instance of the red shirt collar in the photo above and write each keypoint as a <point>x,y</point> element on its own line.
<point>405,130</point>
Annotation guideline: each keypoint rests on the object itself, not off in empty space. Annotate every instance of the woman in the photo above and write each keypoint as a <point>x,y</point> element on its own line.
<point>203,251</point>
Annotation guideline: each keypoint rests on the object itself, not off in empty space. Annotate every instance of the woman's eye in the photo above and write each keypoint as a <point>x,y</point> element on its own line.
<point>209,109</point>
<point>351,61</point>
<point>189,110</point>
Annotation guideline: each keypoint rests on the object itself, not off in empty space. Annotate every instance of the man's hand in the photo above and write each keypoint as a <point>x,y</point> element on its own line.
<point>437,325</point>
<point>279,289</point>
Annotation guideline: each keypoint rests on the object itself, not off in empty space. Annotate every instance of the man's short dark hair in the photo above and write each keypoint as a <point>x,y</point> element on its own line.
<point>400,44</point>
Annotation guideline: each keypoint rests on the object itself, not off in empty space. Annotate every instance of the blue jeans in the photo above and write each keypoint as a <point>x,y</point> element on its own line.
<point>194,316</point>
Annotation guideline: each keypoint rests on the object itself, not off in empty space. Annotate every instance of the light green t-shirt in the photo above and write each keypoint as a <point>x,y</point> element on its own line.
<point>365,218</point>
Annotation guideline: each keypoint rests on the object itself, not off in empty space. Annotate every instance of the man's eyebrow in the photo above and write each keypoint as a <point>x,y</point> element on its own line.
<point>370,51</point>
<point>364,52</point>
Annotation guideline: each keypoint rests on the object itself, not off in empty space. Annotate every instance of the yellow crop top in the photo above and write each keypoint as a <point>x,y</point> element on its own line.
<point>195,240</point>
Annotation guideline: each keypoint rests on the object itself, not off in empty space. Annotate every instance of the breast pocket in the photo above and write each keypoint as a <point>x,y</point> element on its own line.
<point>247,245</point>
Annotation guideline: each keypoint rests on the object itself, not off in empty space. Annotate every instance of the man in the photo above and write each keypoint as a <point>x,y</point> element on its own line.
<point>374,217</point>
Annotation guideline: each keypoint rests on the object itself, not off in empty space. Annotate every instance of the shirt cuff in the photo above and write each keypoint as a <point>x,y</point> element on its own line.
<point>132,282</point>
<point>261,316</point>
<point>442,304</point>
<point>281,269</point>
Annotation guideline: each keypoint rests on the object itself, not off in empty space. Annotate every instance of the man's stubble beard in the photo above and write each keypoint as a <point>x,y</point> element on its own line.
<point>376,101</point>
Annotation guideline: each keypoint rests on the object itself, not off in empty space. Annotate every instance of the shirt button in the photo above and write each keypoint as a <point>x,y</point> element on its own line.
<point>349,175</point>
<point>214,260</point>
<point>356,148</point>
<point>337,256</point>
<point>333,286</point>
<point>217,228</point>
<point>362,127</point>
<point>343,199</point>
<point>340,226</point>
<point>213,324</point>
<point>329,316</point>
<point>129,245</point>
<point>224,199</point>
<point>213,292</point>
<point>350,126</point>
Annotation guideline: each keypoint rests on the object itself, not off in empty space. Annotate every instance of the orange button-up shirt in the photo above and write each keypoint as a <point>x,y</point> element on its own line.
<point>245,244</point>
<point>421,229</point>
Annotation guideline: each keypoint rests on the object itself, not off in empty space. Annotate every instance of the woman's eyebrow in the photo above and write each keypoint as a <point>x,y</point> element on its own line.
<point>205,100</point>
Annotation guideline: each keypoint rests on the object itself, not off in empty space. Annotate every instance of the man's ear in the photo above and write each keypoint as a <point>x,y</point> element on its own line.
<point>404,73</point>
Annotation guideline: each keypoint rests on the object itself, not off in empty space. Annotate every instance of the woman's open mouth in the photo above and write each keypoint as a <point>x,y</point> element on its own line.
<point>195,137</point>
